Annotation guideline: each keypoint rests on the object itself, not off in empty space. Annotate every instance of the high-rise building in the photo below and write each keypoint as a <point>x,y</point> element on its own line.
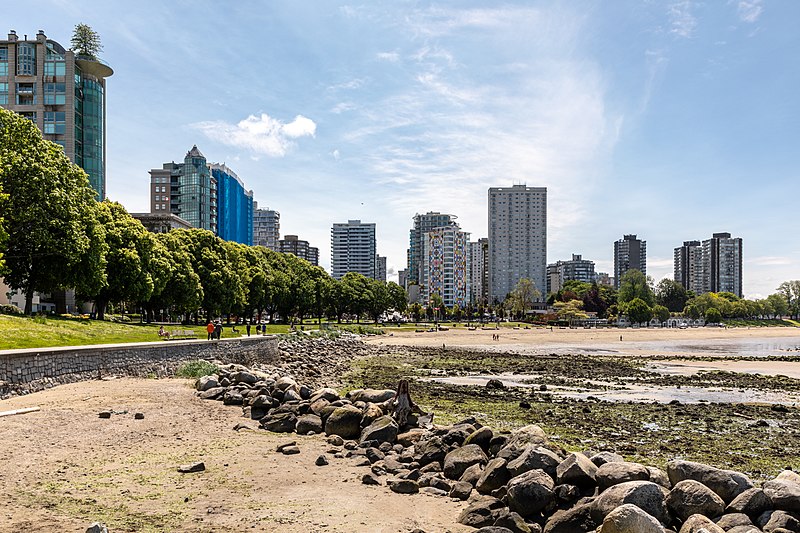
<point>63,93</point>
<point>186,189</point>
<point>688,263</point>
<point>478,261</point>
<point>234,206</point>
<point>402,278</point>
<point>416,239</point>
<point>353,249</point>
<point>577,269</point>
<point>630,253</point>
<point>445,266</point>
<point>380,272</point>
<point>266,227</point>
<point>517,238</point>
<point>290,244</point>
<point>161,222</point>
<point>722,264</point>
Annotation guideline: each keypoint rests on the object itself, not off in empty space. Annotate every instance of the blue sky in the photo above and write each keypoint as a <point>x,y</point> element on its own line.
<point>668,119</point>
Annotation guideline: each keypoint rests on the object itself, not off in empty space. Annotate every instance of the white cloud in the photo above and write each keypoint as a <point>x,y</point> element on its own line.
<point>335,154</point>
<point>749,10</point>
<point>392,57</point>
<point>348,85</point>
<point>341,107</point>
<point>259,134</point>
<point>682,21</point>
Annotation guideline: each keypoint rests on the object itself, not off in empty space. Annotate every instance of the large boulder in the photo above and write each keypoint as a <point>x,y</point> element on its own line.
<point>751,502</point>
<point>629,518</point>
<point>700,524</point>
<point>457,461</point>
<point>281,422</point>
<point>769,521</point>
<point>370,414</point>
<point>614,473</point>
<point>324,393</point>
<point>646,495</point>
<point>532,458</point>
<point>285,382</point>
<point>729,521</point>
<point>602,458</point>
<point>494,476</point>
<point>480,513</point>
<point>513,522</point>
<point>431,450</point>
<point>785,495</point>
<point>309,423</point>
<point>207,382</point>
<point>689,497</point>
<point>244,376</point>
<point>344,421</point>
<point>410,437</point>
<point>572,520</point>
<point>482,437</point>
<point>789,475</point>
<point>371,395</point>
<point>526,436</point>
<point>576,469</point>
<point>726,483</point>
<point>383,429</point>
<point>530,493</point>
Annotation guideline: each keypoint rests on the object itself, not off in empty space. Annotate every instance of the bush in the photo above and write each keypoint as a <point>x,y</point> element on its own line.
<point>10,309</point>
<point>196,369</point>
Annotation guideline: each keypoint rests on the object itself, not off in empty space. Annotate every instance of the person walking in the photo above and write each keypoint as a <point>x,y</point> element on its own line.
<point>210,330</point>
<point>247,327</point>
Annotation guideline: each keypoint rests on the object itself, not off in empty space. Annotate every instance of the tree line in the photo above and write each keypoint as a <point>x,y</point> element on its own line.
<point>55,235</point>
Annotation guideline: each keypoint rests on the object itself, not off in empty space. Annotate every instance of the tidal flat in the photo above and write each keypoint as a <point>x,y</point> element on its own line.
<point>738,420</point>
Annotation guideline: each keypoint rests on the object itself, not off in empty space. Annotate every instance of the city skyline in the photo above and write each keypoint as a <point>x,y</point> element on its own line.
<point>665,120</point>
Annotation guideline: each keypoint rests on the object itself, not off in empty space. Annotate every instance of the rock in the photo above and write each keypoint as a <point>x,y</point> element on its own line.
<point>480,513</point>
<point>511,521</point>
<point>659,477</point>
<point>433,491</point>
<point>576,469</point>
<point>374,455</point>
<point>370,479</point>
<point>628,518</point>
<point>726,483</point>
<point>472,474</point>
<point>731,520</point>
<point>644,494</point>
<point>461,490</point>
<point>457,461</point>
<point>494,476</point>
<point>567,493</point>
<point>285,382</point>
<point>457,434</point>
<point>530,493</point>
<point>371,395</point>
<point>212,393</point>
<point>321,461</point>
<point>97,528</point>
<point>309,424</point>
<point>244,377</point>
<point>482,437</point>
<point>335,440</point>
<point>279,448</point>
<point>392,465</point>
<point>572,520</point>
<point>599,459</point>
<point>495,384</point>
<point>700,524</point>
<point>104,414</point>
<point>431,450</point>
<point>291,395</point>
<point>279,422</point>
<point>526,436</point>
<point>784,494</point>
<point>749,529</point>
<point>290,450</point>
<point>383,429</point>
<point>198,466</point>
<point>326,393</point>
<point>689,497</point>
<point>535,457</point>
<point>138,416</point>
<point>751,502</point>
<point>371,413</point>
<point>345,422</point>
<point>204,383</point>
<point>772,520</point>
<point>493,529</point>
<point>403,486</point>
<point>231,397</point>
<point>615,473</point>
<point>788,475</point>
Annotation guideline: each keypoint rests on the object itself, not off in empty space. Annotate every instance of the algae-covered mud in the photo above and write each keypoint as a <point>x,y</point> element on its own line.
<point>634,406</point>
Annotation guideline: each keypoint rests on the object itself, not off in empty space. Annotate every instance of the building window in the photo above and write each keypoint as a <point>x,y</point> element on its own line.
<point>26,59</point>
<point>3,93</point>
<point>3,61</point>
<point>55,123</point>
<point>55,94</point>
<point>26,94</point>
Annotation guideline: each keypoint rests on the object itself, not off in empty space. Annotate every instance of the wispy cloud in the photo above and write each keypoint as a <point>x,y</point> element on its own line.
<point>341,107</point>
<point>682,21</point>
<point>749,10</point>
<point>259,134</point>
<point>392,57</point>
<point>348,85</point>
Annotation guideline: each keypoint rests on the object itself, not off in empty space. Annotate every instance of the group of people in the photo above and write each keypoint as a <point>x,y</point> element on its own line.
<point>214,329</point>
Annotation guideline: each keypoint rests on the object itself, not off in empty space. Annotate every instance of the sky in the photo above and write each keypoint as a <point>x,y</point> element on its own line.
<point>671,120</point>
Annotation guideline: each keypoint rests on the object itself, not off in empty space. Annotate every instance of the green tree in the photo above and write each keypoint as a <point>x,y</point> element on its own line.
<point>570,310</point>
<point>379,299</point>
<point>358,291</point>
<point>593,302</point>
<point>661,313</point>
<point>85,41</point>
<point>638,311</point>
<point>634,284</point>
<point>778,304</point>
<point>791,292</point>
<point>398,297</point>
<point>178,287</point>
<point>713,316</point>
<point>522,297</point>
<point>53,241</point>
<point>416,311</point>
<point>671,294</point>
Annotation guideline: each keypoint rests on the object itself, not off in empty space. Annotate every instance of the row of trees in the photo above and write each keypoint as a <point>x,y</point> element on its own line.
<point>55,235</point>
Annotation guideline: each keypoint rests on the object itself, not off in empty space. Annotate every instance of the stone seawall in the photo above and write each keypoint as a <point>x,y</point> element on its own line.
<point>26,371</point>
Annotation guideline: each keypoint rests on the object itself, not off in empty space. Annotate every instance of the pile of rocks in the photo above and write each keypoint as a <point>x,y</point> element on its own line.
<point>316,361</point>
<point>518,482</point>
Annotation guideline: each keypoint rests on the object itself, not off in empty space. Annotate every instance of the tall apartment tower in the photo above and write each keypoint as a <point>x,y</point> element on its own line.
<point>186,189</point>
<point>416,239</point>
<point>630,253</point>
<point>63,93</point>
<point>266,227</point>
<point>445,266</point>
<point>479,271</point>
<point>353,249</point>
<point>291,244</point>
<point>234,206</point>
<point>722,264</point>
<point>517,238</point>
<point>380,268</point>
<point>688,266</point>
<point>577,269</point>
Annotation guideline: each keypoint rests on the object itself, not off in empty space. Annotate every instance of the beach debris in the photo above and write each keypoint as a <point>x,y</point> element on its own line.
<point>22,411</point>
<point>198,466</point>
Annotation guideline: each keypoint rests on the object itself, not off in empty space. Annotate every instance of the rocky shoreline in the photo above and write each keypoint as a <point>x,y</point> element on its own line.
<point>519,481</point>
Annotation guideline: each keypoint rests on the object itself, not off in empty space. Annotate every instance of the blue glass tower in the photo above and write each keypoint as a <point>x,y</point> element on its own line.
<point>234,206</point>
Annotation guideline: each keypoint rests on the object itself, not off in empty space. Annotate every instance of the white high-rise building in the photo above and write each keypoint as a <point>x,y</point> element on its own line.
<point>722,264</point>
<point>517,238</point>
<point>353,249</point>
<point>266,227</point>
<point>479,271</point>
<point>630,253</point>
<point>445,266</point>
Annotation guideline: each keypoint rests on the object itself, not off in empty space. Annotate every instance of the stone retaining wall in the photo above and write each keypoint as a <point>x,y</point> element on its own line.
<point>25,371</point>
